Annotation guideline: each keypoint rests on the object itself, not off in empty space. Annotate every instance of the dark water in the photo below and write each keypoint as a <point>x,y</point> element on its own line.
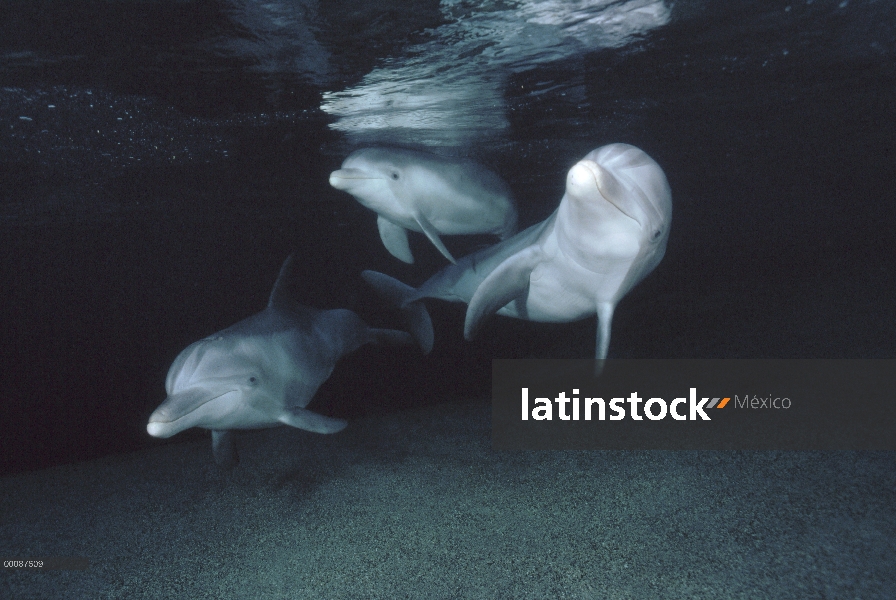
<point>159,160</point>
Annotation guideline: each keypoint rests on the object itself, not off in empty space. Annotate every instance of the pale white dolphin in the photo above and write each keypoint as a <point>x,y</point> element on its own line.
<point>609,231</point>
<point>424,192</point>
<point>261,372</point>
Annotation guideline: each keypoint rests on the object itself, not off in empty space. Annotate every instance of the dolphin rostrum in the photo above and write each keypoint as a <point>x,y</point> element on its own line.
<point>424,192</point>
<point>261,372</point>
<point>609,231</point>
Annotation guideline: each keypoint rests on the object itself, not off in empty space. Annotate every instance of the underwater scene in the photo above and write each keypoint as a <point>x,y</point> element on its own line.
<point>257,257</point>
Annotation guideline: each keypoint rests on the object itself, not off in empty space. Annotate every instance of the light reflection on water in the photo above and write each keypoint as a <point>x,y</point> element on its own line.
<point>449,90</point>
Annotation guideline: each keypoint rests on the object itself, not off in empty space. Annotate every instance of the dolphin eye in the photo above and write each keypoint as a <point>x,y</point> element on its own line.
<point>253,380</point>
<point>656,235</point>
<point>394,175</point>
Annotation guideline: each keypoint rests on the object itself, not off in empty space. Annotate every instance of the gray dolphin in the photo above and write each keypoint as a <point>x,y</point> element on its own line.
<point>261,372</point>
<point>609,231</point>
<point>428,193</point>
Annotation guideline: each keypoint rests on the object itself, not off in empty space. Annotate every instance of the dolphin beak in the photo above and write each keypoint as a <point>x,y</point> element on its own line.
<point>339,179</point>
<point>609,187</point>
<point>157,430</point>
<point>168,419</point>
<point>624,199</point>
<point>161,420</point>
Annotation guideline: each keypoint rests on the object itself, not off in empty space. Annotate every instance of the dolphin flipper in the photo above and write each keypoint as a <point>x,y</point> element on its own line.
<point>509,280</point>
<point>406,298</point>
<point>395,239</point>
<point>433,235</point>
<point>602,338</point>
<point>604,321</point>
<point>302,418</point>
<point>224,448</point>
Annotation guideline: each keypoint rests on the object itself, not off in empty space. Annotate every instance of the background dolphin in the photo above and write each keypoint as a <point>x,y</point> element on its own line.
<point>609,231</point>
<point>424,192</point>
<point>261,372</point>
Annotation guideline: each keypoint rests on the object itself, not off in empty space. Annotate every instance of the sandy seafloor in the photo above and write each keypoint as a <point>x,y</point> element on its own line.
<point>416,504</point>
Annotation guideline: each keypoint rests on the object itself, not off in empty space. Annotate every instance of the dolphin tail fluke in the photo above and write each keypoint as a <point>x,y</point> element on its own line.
<point>224,449</point>
<point>390,337</point>
<point>406,298</point>
<point>420,325</point>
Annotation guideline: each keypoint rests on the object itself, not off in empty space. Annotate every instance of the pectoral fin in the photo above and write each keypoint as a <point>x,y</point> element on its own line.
<point>302,418</point>
<point>602,338</point>
<point>604,321</point>
<point>509,281</point>
<point>224,448</point>
<point>395,239</point>
<point>433,236</point>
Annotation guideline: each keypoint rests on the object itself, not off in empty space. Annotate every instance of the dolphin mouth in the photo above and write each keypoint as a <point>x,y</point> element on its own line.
<point>630,198</point>
<point>163,423</point>
<point>349,174</point>
<point>604,181</point>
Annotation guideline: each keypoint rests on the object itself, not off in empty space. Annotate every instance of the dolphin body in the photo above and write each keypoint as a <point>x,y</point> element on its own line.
<point>261,372</point>
<point>609,231</point>
<point>424,192</point>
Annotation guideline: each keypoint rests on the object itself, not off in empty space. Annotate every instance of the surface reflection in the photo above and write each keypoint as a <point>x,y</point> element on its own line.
<point>449,90</point>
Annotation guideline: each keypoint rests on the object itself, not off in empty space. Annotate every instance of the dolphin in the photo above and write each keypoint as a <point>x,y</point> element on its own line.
<point>609,231</point>
<point>424,192</point>
<point>261,372</point>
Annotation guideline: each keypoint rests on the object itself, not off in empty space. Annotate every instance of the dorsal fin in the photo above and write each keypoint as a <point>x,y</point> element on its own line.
<point>279,295</point>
